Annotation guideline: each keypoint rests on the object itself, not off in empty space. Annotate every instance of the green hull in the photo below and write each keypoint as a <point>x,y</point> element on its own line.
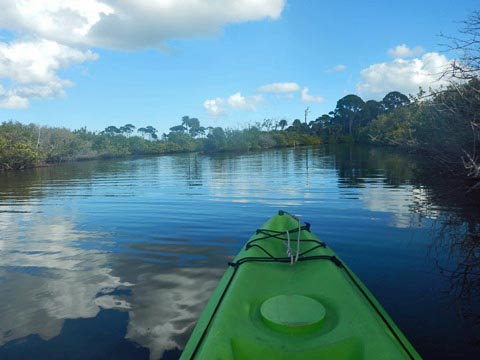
<point>270,306</point>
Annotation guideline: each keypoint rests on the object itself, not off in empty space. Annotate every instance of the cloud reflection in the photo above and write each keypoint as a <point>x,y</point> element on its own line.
<point>47,277</point>
<point>168,305</point>
<point>401,203</point>
<point>50,271</point>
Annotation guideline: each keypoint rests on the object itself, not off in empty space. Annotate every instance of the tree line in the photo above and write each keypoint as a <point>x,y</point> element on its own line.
<point>439,125</point>
<point>443,124</point>
<point>23,146</point>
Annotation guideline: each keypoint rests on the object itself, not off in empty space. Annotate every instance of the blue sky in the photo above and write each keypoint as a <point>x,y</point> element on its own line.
<point>229,63</point>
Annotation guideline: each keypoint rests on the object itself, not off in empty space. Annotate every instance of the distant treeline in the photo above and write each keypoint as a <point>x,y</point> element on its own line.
<point>438,124</point>
<point>442,124</point>
<point>23,146</point>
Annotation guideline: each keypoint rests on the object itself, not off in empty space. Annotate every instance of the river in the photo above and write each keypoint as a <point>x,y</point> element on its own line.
<point>116,259</point>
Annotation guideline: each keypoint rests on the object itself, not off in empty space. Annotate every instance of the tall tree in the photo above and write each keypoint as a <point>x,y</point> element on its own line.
<point>283,124</point>
<point>152,132</point>
<point>149,131</point>
<point>371,111</point>
<point>348,111</point>
<point>394,100</point>
<point>192,125</point>
<point>111,130</point>
<point>127,129</point>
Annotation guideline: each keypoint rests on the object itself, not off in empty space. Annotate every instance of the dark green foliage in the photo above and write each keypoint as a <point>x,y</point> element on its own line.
<point>444,126</point>
<point>192,126</point>
<point>298,127</point>
<point>16,154</point>
<point>371,110</point>
<point>394,100</point>
<point>30,145</point>
<point>216,140</point>
<point>283,124</point>
<point>148,132</point>
<point>395,128</point>
<point>127,129</point>
<point>111,130</point>
<point>348,113</point>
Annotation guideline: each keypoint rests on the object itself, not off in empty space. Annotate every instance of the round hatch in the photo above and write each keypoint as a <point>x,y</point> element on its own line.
<point>292,313</point>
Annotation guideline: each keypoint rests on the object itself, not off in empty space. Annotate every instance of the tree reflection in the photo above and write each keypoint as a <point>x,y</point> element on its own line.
<point>456,246</point>
<point>436,197</point>
<point>189,167</point>
<point>356,163</point>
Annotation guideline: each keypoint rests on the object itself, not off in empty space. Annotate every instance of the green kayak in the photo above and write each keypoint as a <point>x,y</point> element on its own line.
<point>288,296</point>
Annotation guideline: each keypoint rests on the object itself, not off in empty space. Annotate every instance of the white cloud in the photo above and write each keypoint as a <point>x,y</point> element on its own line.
<point>67,21</point>
<point>403,75</point>
<point>31,67</point>
<point>337,68</point>
<point>130,24</point>
<point>403,51</point>
<point>9,100</point>
<point>36,61</point>
<point>285,87</point>
<point>239,102</point>
<point>306,97</point>
<point>51,32</point>
<point>215,107</point>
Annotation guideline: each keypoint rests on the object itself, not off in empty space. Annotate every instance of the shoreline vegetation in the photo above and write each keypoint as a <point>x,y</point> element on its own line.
<point>443,125</point>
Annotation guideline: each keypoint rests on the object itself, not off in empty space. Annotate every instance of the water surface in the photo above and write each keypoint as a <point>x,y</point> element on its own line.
<point>116,259</point>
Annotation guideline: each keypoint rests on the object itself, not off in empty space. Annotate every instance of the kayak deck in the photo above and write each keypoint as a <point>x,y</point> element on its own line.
<point>286,299</point>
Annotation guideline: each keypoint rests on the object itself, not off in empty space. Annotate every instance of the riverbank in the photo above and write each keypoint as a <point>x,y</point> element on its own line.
<point>25,146</point>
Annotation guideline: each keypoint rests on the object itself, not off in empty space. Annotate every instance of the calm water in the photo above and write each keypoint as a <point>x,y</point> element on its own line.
<point>116,259</point>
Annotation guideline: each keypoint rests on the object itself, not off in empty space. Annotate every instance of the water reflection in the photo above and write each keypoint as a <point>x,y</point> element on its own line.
<point>357,165</point>
<point>135,247</point>
<point>167,306</point>
<point>455,248</point>
<point>102,336</point>
<point>47,277</point>
<point>189,167</point>
<point>51,273</point>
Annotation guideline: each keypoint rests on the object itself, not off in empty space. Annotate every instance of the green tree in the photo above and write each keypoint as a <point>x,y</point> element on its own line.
<point>18,145</point>
<point>149,131</point>
<point>394,100</point>
<point>299,127</point>
<point>192,126</point>
<point>283,124</point>
<point>152,132</point>
<point>348,112</point>
<point>371,111</point>
<point>127,129</point>
<point>398,127</point>
<point>178,128</point>
<point>111,130</point>
<point>216,140</point>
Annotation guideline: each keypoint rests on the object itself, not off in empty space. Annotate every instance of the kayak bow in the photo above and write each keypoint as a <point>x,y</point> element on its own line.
<point>288,296</point>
